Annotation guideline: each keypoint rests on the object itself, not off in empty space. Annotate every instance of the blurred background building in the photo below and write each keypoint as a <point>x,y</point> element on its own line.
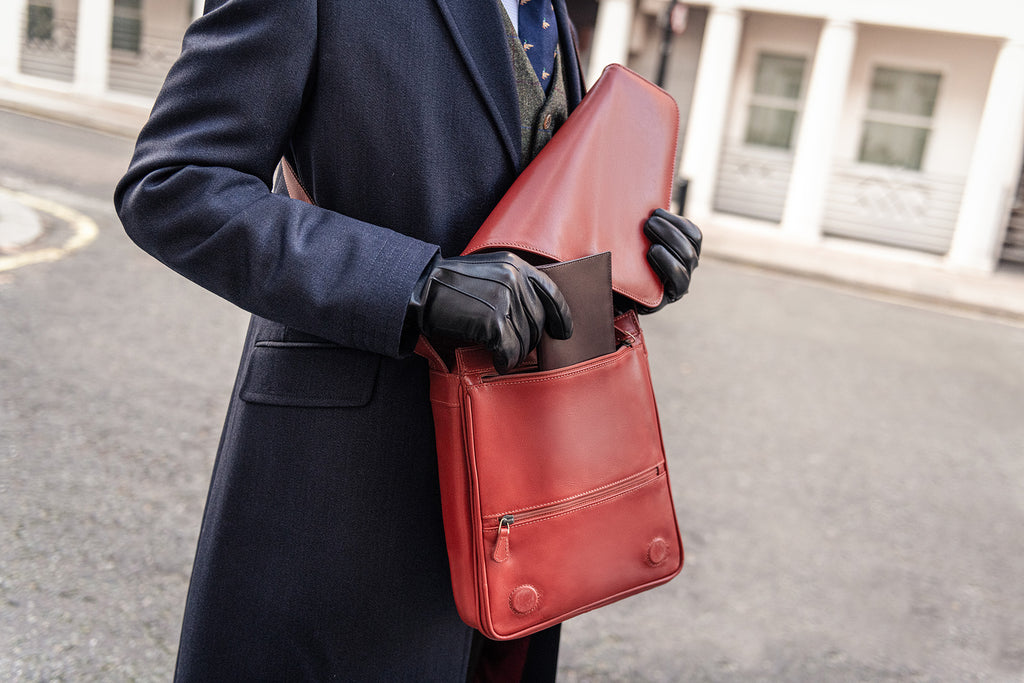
<point>111,49</point>
<point>867,122</point>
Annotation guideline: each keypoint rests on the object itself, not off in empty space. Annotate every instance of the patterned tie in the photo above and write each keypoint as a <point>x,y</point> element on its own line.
<point>539,32</point>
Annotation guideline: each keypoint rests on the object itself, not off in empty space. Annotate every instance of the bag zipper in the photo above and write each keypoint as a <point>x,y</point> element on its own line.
<point>502,523</point>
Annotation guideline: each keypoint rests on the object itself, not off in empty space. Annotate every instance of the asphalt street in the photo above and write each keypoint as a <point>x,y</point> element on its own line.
<point>848,470</point>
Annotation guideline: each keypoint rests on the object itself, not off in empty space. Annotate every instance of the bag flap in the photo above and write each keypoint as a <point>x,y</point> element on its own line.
<point>592,188</point>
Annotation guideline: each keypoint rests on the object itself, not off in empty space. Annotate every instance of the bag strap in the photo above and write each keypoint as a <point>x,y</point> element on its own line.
<point>434,360</point>
<point>291,181</point>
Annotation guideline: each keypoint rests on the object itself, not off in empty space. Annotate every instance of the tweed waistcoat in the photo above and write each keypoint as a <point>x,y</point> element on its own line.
<point>540,114</point>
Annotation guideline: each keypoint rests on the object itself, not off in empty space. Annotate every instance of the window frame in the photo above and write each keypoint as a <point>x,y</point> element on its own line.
<point>121,13</point>
<point>757,100</point>
<point>917,122</point>
<point>32,7</point>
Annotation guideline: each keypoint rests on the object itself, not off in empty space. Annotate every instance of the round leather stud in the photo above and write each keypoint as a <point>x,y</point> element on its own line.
<point>524,599</point>
<point>657,552</point>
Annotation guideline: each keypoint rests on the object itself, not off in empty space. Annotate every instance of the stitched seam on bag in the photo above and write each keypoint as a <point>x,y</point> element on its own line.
<point>604,487</point>
<point>442,378</point>
<point>512,594</point>
<point>675,154</point>
<point>602,501</point>
<point>510,382</point>
<point>671,172</point>
<point>520,245</point>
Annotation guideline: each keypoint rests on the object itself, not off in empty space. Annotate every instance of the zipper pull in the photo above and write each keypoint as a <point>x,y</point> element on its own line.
<point>501,551</point>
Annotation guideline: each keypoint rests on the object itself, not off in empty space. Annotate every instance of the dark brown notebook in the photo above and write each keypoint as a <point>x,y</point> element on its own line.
<point>586,284</point>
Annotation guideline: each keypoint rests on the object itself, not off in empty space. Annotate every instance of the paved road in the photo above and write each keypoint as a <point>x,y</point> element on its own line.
<point>849,472</point>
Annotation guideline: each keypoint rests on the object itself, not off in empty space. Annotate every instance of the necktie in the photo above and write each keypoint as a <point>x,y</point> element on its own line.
<point>539,32</point>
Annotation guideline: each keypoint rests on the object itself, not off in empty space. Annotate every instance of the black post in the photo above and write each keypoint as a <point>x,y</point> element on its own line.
<point>666,44</point>
<point>681,187</point>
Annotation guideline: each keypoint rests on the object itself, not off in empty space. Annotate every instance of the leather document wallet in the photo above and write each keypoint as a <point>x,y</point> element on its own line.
<point>586,284</point>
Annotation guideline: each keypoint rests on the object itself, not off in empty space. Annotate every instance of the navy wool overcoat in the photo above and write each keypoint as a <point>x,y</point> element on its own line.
<point>321,554</point>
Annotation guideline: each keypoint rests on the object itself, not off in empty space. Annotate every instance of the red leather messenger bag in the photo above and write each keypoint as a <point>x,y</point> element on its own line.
<point>555,493</point>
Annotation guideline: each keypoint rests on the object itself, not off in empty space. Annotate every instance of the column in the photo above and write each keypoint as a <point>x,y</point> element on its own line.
<point>994,167</point>
<point>710,108</point>
<point>12,27</point>
<point>197,8</point>
<point>92,46</point>
<point>612,30</point>
<point>819,122</point>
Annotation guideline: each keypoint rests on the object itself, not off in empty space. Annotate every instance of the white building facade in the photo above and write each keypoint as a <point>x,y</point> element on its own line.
<point>890,123</point>
<point>113,49</point>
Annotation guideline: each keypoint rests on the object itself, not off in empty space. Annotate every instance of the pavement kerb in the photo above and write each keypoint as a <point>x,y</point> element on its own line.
<point>869,269</point>
<point>123,117</point>
<point>19,224</point>
<point>83,230</point>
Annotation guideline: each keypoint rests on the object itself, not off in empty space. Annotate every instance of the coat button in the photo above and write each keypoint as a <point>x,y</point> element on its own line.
<point>547,122</point>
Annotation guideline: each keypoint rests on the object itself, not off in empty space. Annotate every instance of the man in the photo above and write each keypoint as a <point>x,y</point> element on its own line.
<point>321,554</point>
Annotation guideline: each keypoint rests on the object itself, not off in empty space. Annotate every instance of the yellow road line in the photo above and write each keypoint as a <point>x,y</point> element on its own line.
<point>83,231</point>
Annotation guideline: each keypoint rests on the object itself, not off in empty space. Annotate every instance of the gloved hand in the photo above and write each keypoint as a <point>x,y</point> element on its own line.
<point>673,255</point>
<point>495,299</point>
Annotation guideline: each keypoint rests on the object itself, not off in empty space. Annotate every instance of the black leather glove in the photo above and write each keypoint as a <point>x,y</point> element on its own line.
<point>673,255</point>
<point>495,299</point>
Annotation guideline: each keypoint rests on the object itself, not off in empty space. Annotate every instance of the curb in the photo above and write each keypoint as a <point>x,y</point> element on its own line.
<point>83,230</point>
<point>121,118</point>
<point>871,268</point>
<point>19,224</point>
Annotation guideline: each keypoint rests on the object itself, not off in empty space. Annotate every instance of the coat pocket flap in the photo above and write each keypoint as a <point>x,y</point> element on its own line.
<point>314,375</point>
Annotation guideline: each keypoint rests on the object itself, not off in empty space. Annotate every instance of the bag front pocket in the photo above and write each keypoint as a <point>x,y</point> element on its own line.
<point>546,436</point>
<point>611,542</point>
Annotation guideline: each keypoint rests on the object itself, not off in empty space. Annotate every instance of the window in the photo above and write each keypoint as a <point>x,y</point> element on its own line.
<point>899,117</point>
<point>126,30</point>
<point>40,22</point>
<point>775,103</point>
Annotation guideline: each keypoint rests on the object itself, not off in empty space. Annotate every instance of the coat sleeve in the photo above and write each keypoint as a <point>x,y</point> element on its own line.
<point>197,192</point>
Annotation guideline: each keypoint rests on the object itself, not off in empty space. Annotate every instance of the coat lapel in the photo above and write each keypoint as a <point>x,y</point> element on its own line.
<point>478,33</point>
